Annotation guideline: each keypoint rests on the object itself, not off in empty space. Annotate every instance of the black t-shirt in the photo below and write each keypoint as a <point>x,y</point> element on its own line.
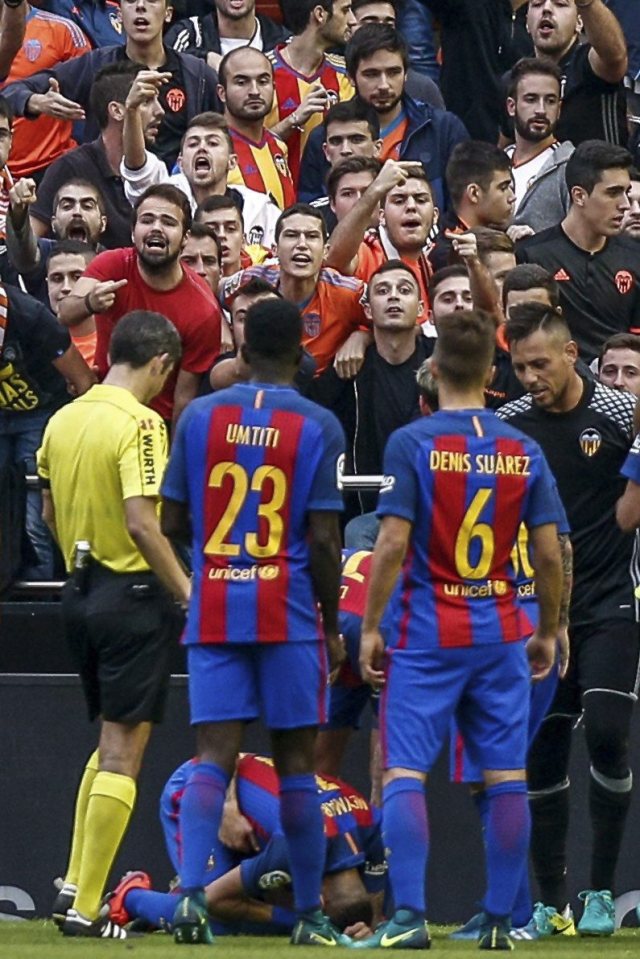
<point>504,385</point>
<point>599,292</point>
<point>382,398</point>
<point>173,100</point>
<point>33,338</point>
<point>585,449</point>
<point>89,162</point>
<point>592,109</point>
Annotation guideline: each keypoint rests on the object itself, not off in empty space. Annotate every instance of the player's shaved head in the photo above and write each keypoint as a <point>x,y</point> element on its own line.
<point>525,319</point>
<point>465,348</point>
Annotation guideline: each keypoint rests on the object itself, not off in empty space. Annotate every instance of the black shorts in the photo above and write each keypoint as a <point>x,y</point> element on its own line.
<point>120,635</point>
<point>604,658</point>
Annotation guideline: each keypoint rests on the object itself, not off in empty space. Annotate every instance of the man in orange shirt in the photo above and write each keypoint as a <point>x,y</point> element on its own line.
<point>407,215</point>
<point>335,327</point>
<point>49,40</point>
<point>67,262</point>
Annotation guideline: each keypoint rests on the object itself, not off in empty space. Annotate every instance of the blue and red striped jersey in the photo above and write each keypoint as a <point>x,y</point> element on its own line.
<point>346,814</point>
<point>356,566</point>
<point>465,484</point>
<point>251,462</point>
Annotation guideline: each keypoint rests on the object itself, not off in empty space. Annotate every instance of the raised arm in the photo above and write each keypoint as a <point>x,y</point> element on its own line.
<point>608,54</point>
<point>87,297</point>
<point>12,25</point>
<point>144,88</point>
<point>315,101</point>
<point>349,233</point>
<point>484,291</point>
<point>22,245</point>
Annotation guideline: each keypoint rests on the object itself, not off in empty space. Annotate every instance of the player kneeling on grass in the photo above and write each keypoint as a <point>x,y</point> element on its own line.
<point>248,883</point>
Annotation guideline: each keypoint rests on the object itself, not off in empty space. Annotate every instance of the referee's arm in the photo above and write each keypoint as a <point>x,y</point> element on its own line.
<point>144,529</point>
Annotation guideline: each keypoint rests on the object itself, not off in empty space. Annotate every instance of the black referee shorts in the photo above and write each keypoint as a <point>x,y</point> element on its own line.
<point>603,657</point>
<point>120,635</point>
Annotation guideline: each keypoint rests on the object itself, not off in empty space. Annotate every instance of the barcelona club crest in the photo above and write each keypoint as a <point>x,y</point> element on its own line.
<point>590,442</point>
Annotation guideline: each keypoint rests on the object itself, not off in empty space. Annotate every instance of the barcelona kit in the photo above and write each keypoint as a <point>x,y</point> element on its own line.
<point>251,462</point>
<point>351,826</point>
<point>541,693</point>
<point>455,638</point>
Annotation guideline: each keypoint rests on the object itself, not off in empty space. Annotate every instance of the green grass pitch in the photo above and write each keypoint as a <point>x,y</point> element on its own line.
<point>41,940</point>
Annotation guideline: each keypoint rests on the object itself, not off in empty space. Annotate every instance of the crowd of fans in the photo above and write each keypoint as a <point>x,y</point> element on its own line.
<point>299,158</point>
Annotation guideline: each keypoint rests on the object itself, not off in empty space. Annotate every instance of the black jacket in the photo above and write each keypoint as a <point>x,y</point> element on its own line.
<point>76,76</point>
<point>431,136</point>
<point>199,35</point>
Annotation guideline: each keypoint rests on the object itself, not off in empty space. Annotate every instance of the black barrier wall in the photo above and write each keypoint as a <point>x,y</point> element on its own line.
<point>46,739</point>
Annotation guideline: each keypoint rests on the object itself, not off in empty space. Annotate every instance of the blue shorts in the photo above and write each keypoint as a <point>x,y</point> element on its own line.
<point>340,853</point>
<point>349,695</point>
<point>285,683</point>
<point>273,858</point>
<point>462,770</point>
<point>486,687</point>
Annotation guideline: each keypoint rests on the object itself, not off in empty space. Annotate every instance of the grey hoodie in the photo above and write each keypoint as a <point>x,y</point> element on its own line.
<point>547,198</point>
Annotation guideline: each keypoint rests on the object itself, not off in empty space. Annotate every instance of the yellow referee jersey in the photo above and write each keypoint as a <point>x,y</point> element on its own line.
<point>96,452</point>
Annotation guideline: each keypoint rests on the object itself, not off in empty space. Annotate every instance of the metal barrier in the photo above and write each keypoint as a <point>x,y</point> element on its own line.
<point>31,587</point>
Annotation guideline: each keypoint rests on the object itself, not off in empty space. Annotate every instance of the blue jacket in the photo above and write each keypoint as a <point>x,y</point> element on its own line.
<point>431,136</point>
<point>99,19</point>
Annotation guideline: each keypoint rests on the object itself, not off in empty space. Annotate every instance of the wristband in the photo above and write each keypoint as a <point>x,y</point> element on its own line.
<point>87,303</point>
<point>296,125</point>
<point>12,4</point>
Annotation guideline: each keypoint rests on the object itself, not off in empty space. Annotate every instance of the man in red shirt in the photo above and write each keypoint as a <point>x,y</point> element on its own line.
<point>150,276</point>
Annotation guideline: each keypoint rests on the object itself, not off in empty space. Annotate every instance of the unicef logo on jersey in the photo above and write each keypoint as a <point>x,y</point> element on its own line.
<point>590,442</point>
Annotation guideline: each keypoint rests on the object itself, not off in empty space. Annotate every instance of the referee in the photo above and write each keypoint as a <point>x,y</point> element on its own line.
<point>585,430</point>
<point>100,465</point>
